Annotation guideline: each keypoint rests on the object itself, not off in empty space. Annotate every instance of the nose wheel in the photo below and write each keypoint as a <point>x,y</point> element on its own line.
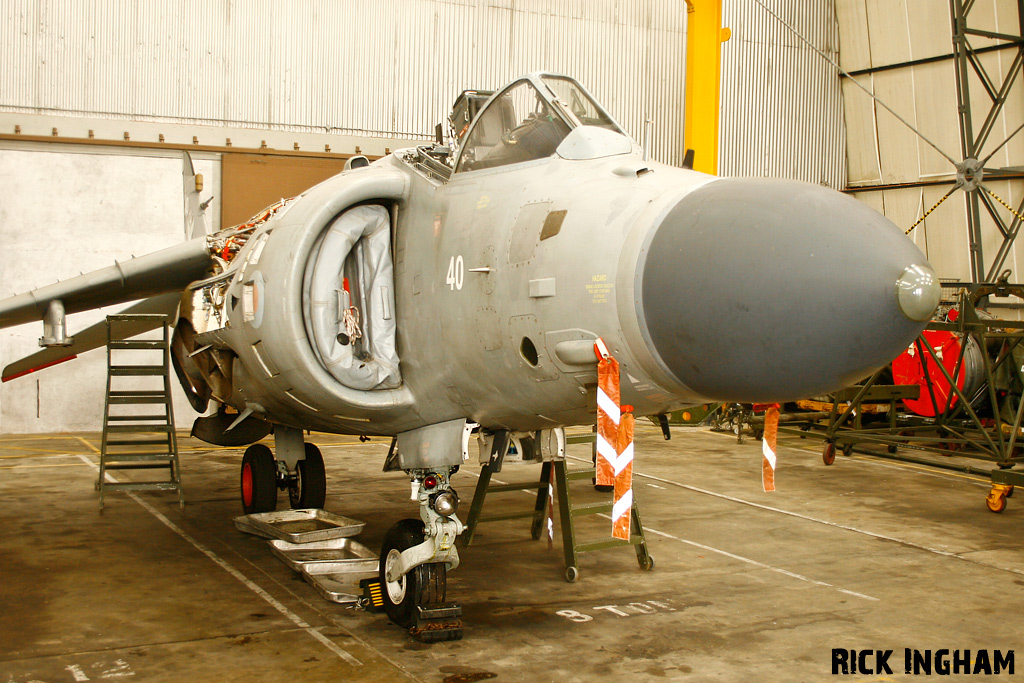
<point>423,585</point>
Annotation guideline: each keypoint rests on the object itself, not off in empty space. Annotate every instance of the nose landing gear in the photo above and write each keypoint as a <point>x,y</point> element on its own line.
<point>415,559</point>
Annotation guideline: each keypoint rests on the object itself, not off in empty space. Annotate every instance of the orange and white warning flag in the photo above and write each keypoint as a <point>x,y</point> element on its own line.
<point>768,447</point>
<point>623,506</point>
<point>615,428</point>
<point>608,414</point>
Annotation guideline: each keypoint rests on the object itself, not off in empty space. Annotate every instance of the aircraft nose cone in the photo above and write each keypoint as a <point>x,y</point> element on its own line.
<point>756,290</point>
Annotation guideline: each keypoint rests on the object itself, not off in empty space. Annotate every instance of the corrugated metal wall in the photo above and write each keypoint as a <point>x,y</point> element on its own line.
<point>898,173</point>
<point>781,108</point>
<point>367,67</point>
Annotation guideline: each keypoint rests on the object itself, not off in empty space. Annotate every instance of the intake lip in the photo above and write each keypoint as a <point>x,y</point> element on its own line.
<point>757,290</point>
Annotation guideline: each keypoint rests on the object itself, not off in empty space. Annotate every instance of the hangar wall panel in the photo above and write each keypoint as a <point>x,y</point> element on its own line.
<point>382,68</point>
<point>877,38</point>
<point>781,104</point>
<point>75,211</point>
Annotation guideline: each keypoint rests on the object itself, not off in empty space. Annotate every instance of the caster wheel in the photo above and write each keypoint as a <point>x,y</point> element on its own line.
<point>648,565</point>
<point>847,449</point>
<point>310,487</point>
<point>424,585</point>
<point>828,454</point>
<point>571,574</point>
<point>996,503</point>
<point>259,480</point>
<point>892,448</point>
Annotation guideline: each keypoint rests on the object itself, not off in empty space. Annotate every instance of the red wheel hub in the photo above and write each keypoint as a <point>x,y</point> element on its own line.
<point>247,484</point>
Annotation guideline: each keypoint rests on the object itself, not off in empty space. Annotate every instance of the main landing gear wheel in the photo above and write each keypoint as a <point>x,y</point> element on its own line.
<point>309,487</point>
<point>424,585</point>
<point>259,480</point>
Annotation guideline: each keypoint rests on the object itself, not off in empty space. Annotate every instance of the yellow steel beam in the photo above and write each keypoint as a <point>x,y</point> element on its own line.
<point>704,37</point>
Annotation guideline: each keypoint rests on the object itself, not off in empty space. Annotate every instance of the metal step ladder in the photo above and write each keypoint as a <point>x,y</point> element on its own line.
<point>138,419</point>
<point>561,477</point>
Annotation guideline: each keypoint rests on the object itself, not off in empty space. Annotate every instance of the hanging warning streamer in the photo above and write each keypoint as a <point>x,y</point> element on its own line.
<point>608,414</point>
<point>623,507</point>
<point>614,441</point>
<point>768,447</point>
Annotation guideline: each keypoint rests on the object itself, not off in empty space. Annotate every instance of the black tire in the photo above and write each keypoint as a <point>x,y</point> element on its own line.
<point>259,480</point>
<point>828,453</point>
<point>424,585</point>
<point>310,489</point>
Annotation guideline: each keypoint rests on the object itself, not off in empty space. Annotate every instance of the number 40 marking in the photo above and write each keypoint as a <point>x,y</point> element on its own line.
<point>456,272</point>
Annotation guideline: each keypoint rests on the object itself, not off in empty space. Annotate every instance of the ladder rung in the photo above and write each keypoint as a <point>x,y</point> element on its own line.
<point>142,486</point>
<point>580,438</point>
<point>133,400</point>
<point>136,466</point>
<point>136,457</point>
<point>580,474</point>
<point>136,370</point>
<point>634,539</point>
<point>501,488</point>
<point>137,442</point>
<point>137,344</point>
<point>511,515</point>
<point>137,428</point>
<point>590,509</point>
<point>136,418</point>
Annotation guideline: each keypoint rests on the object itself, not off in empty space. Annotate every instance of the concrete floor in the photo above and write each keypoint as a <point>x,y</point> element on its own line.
<point>748,586</point>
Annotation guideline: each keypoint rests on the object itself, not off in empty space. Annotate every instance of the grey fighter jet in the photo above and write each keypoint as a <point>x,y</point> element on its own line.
<point>452,293</point>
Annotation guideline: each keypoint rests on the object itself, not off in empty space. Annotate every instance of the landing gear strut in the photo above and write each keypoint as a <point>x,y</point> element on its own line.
<point>416,557</point>
<point>299,469</point>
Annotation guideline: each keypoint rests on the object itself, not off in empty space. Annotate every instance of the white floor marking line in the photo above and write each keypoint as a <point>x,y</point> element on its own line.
<point>894,463</point>
<point>974,479</point>
<point>291,616</point>
<point>762,565</point>
<point>881,537</point>
<point>726,553</point>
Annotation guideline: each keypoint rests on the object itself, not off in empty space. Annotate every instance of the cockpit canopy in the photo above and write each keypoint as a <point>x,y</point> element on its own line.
<point>528,120</point>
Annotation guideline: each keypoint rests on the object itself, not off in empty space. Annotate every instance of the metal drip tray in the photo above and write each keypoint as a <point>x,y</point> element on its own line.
<point>300,526</point>
<point>242,524</point>
<point>345,554</point>
<point>339,581</point>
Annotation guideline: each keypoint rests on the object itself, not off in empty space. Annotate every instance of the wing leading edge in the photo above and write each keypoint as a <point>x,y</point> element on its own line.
<point>164,271</point>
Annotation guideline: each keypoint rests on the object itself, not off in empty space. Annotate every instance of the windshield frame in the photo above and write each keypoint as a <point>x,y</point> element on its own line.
<point>560,108</point>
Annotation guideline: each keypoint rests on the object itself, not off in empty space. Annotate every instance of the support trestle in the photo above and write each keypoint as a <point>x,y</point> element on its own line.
<point>555,474</point>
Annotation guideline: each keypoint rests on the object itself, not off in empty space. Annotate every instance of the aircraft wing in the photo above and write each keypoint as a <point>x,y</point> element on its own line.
<point>164,271</point>
<point>93,337</point>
